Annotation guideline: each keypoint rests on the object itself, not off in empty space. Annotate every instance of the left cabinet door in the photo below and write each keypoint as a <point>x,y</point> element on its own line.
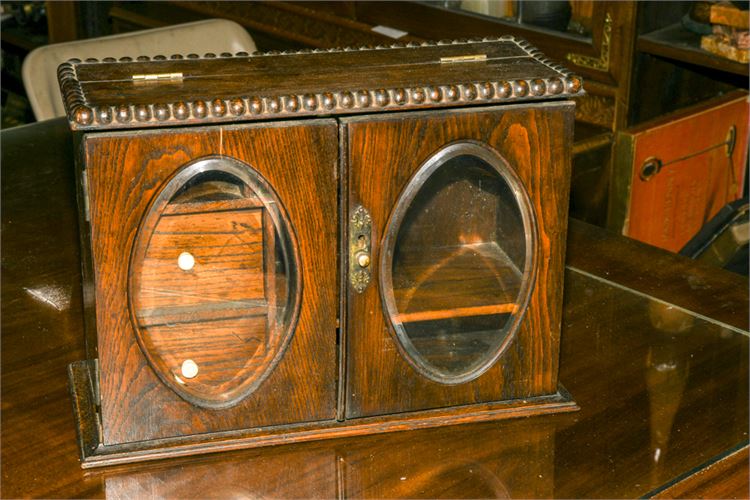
<point>214,264</point>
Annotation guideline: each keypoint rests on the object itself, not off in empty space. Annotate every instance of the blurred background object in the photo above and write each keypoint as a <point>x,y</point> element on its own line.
<point>39,70</point>
<point>673,174</point>
<point>640,60</point>
<point>23,28</point>
<point>723,241</point>
<point>729,37</point>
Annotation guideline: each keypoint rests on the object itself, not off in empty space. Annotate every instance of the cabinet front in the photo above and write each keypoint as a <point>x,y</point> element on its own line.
<point>456,231</point>
<point>215,260</point>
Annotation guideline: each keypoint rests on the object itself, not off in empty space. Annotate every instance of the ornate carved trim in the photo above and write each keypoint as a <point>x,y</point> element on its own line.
<point>600,63</point>
<point>83,116</point>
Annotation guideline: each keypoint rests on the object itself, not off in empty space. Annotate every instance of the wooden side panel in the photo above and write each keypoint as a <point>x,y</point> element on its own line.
<point>125,172</point>
<point>383,155</point>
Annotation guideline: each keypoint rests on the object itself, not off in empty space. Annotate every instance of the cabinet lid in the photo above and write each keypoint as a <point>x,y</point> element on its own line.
<point>185,90</point>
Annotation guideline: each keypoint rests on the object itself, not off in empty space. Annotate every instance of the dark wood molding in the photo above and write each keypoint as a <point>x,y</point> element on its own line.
<point>85,115</point>
<point>94,454</point>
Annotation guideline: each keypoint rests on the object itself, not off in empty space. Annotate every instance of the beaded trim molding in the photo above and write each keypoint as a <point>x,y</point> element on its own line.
<point>82,115</point>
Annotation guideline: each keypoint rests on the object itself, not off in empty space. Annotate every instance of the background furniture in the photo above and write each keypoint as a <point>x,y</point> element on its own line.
<point>637,59</point>
<point>672,174</point>
<point>601,55</point>
<point>723,241</point>
<point>40,66</point>
<point>654,349</point>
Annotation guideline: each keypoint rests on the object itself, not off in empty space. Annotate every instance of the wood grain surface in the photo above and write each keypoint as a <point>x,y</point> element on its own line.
<point>723,478</point>
<point>386,152</point>
<point>214,310</point>
<point>125,173</point>
<point>639,430</point>
<point>644,269</point>
<point>112,94</point>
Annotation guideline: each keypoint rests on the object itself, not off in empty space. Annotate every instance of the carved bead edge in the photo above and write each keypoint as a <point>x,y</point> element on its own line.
<point>344,102</point>
<point>211,110</point>
<point>70,88</point>
<point>573,83</point>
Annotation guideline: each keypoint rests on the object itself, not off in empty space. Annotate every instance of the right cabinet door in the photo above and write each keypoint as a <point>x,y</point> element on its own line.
<point>456,230</point>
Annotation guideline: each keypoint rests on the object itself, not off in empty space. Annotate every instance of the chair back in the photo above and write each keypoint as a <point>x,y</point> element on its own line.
<point>39,69</point>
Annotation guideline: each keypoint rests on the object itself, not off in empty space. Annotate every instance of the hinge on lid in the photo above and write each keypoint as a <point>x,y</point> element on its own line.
<point>85,193</point>
<point>95,383</point>
<point>461,59</point>
<point>157,77</point>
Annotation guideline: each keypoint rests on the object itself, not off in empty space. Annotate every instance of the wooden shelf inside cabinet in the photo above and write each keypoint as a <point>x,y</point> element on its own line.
<point>675,42</point>
<point>465,281</point>
<point>454,302</point>
<point>226,277</point>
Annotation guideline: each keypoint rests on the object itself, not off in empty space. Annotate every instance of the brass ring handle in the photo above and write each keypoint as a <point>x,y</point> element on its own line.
<point>653,165</point>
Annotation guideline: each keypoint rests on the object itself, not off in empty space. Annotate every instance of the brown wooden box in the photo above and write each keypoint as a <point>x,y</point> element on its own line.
<point>286,247</point>
<point>673,174</point>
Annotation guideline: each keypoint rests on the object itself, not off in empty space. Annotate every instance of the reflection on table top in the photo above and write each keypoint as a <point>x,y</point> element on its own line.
<point>654,350</point>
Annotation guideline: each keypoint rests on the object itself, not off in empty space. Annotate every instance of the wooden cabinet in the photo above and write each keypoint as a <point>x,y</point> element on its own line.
<point>306,245</point>
<point>215,195</point>
<point>464,204</point>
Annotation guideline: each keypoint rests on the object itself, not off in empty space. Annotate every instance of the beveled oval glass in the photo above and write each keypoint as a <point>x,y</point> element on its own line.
<point>214,289</point>
<point>457,266</point>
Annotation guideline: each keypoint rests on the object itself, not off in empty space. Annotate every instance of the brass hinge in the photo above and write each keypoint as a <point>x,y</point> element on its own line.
<point>461,59</point>
<point>157,77</point>
<point>95,383</point>
<point>85,194</point>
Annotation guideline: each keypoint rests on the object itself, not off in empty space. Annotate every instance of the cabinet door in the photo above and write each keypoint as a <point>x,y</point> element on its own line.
<point>457,218</point>
<point>214,253</point>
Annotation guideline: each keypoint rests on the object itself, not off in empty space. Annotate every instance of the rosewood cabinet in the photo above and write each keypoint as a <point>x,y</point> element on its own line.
<point>200,269</point>
<point>461,265</point>
<point>285,247</point>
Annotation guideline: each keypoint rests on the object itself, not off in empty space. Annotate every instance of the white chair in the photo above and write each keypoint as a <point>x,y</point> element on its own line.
<point>39,69</point>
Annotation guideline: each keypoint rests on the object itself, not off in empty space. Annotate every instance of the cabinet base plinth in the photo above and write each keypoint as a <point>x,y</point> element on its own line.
<point>96,454</point>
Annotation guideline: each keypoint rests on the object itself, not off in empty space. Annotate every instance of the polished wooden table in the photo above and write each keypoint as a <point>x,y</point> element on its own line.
<point>654,350</point>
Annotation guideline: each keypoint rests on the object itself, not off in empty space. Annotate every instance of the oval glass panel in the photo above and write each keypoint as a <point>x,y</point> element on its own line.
<point>457,262</point>
<point>214,290</point>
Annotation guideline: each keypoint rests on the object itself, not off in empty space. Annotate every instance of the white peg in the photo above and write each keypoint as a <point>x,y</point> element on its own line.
<point>186,261</point>
<point>189,368</point>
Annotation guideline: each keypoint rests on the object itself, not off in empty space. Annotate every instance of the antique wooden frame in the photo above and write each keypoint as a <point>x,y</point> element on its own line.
<point>130,151</point>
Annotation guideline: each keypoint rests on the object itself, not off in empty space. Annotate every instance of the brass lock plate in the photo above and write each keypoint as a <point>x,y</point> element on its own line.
<point>360,245</point>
